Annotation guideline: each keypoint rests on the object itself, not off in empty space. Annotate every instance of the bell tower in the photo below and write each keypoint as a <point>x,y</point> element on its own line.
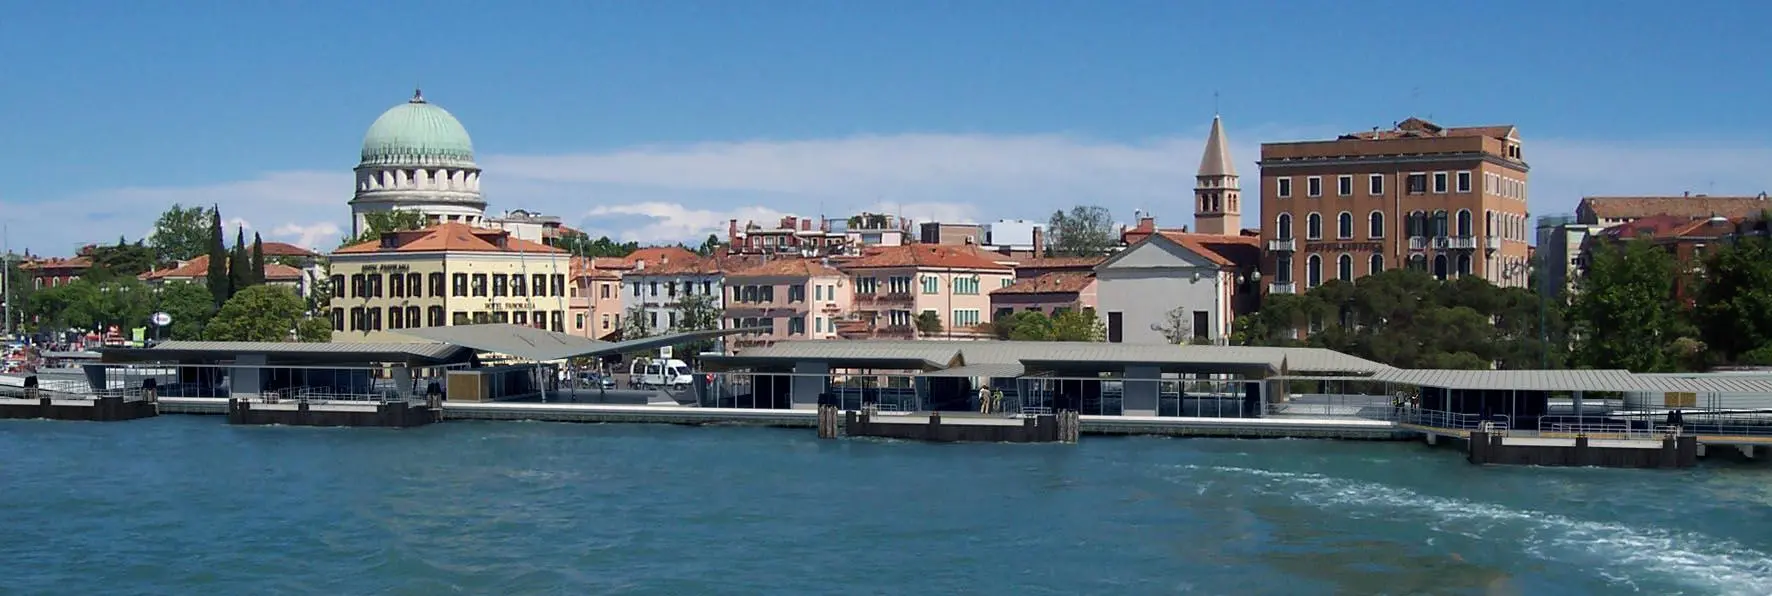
<point>1217,200</point>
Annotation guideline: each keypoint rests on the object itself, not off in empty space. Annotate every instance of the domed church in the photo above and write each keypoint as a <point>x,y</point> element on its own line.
<point>417,156</point>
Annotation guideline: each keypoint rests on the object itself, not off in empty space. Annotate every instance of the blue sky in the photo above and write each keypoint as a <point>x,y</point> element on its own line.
<point>659,120</point>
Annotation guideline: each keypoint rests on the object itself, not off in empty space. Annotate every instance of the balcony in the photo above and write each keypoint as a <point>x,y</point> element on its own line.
<point>1282,288</point>
<point>1492,243</point>
<point>1461,243</point>
<point>1417,243</point>
<point>885,299</point>
<point>904,331</point>
<point>1287,245</point>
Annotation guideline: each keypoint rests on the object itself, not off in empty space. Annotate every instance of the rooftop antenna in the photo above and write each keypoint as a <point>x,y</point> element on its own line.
<point>1214,104</point>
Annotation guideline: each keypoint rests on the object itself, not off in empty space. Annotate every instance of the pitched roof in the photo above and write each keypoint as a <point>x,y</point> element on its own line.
<point>57,263</point>
<point>451,237</point>
<point>285,249</point>
<point>926,256</point>
<point>1689,207</point>
<point>1050,283</point>
<point>1238,251</point>
<point>787,268</point>
<point>1670,226</point>
<point>587,267</point>
<point>1216,161</point>
<point>1416,128</point>
<point>1061,262</point>
<point>198,268</point>
<point>657,255</point>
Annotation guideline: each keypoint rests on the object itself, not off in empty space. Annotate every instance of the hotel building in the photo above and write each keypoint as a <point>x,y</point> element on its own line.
<point>1449,201</point>
<point>449,274</point>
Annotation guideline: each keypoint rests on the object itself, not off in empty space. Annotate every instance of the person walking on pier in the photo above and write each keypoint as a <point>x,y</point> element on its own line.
<point>997,400</point>
<point>984,399</point>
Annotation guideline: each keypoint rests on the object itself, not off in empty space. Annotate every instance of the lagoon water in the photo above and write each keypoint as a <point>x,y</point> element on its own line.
<point>189,505</point>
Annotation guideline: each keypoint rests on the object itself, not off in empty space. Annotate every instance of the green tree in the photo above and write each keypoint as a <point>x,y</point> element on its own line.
<point>239,264</point>
<point>579,244</point>
<point>1085,231</point>
<point>634,324</point>
<point>928,323</point>
<point>125,259</point>
<point>1733,306</point>
<point>217,277</point>
<point>313,330</point>
<point>16,289</point>
<point>1624,315</point>
<point>376,223</point>
<point>257,313</point>
<point>190,305</point>
<point>1078,325</point>
<point>1030,326</point>
<point>181,233</point>
<point>1177,326</point>
<point>91,305</point>
<point>709,246</point>
<point>257,260</point>
<point>695,312</point>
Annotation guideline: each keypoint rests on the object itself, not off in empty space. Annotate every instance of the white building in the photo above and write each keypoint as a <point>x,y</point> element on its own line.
<point>417,156</point>
<point>660,279</point>
<point>1139,288</point>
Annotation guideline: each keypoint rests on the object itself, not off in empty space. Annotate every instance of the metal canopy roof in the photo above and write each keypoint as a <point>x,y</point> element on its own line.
<point>530,343</point>
<point>992,371</point>
<point>1516,380</point>
<point>291,352</point>
<point>1067,356</point>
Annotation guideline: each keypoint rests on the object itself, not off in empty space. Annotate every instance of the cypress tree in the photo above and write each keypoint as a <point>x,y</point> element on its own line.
<point>218,260</point>
<point>258,259</point>
<point>239,264</point>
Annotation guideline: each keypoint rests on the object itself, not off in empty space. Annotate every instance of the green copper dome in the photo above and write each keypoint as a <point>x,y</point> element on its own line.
<point>417,133</point>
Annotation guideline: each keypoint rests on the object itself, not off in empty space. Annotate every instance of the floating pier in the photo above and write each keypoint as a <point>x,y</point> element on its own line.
<point>1670,451</point>
<point>96,409</point>
<point>951,427</point>
<point>387,414</point>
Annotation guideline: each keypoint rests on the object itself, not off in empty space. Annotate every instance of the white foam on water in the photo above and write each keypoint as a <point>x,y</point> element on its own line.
<point>1614,550</point>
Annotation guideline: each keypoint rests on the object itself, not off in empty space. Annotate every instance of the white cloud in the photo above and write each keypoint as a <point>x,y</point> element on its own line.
<point>682,193</point>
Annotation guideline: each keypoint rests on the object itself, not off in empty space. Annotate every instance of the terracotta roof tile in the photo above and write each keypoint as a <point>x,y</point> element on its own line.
<point>198,268</point>
<point>586,267</point>
<point>285,249</point>
<point>1670,226</point>
<point>1050,283</point>
<point>1061,262</point>
<point>452,237</point>
<point>1239,251</point>
<point>926,255</point>
<point>657,255</point>
<point>1693,207</point>
<point>787,268</point>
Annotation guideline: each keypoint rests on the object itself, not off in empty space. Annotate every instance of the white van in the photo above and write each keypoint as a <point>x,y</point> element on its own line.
<point>656,373</point>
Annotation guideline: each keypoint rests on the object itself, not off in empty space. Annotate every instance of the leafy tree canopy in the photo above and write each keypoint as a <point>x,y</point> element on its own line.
<point>1408,319</point>
<point>1733,305</point>
<point>1084,231</point>
<point>191,307</point>
<point>377,223</point>
<point>579,244</point>
<point>1624,312</point>
<point>181,234</point>
<point>259,313</point>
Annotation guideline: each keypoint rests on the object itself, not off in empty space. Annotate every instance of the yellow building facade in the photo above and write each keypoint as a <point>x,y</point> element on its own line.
<point>445,275</point>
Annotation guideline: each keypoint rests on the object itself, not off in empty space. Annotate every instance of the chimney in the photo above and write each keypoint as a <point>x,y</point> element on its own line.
<point>1688,194</point>
<point>1039,242</point>
<point>805,225</point>
<point>732,232</point>
<point>1147,223</point>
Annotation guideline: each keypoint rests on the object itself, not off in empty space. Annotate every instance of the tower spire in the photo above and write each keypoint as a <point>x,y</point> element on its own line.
<point>418,95</point>
<point>1217,208</point>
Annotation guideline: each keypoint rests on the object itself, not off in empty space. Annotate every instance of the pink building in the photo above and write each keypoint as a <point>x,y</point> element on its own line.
<point>894,286</point>
<point>795,298</point>
<point>1049,293</point>
<point>596,297</point>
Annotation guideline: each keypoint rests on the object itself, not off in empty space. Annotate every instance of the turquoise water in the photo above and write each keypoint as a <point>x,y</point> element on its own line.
<point>190,505</point>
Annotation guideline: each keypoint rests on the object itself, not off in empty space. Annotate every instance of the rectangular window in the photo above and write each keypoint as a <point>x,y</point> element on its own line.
<point>414,289</point>
<point>460,289</point>
<point>1417,184</point>
<point>965,317</point>
<point>482,318</point>
<point>501,285</point>
<point>797,326</point>
<point>501,317</point>
<point>1115,327</point>
<point>797,293</point>
<point>1375,184</point>
<point>396,286</point>
<point>867,285</point>
<point>540,286</point>
<point>1439,182</point>
<point>966,286</point>
<point>357,286</point>
<point>557,322</point>
<point>603,290</point>
<point>458,318</point>
<point>1464,182</point>
<point>1202,324</point>
<point>931,285</point>
<point>479,284</point>
<point>1313,186</point>
<point>636,286</point>
<point>1344,185</point>
<point>1283,187</point>
<point>558,282</point>
<point>520,317</point>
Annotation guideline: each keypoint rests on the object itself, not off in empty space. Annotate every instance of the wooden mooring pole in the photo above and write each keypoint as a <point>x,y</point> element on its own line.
<point>827,421</point>
<point>1069,427</point>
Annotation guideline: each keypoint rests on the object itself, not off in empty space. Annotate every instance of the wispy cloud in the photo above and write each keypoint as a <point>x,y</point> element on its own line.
<point>684,192</point>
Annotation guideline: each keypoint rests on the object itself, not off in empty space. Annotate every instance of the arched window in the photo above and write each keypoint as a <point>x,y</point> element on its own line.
<point>1488,223</point>
<point>1344,268</point>
<point>1464,222</point>
<point>1313,271</point>
<point>1376,266</point>
<point>1417,224</point>
<point>1439,224</point>
<point>1284,226</point>
<point>1440,267</point>
<point>1283,268</point>
<point>1464,264</point>
<point>1375,225</point>
<point>1313,227</point>
<point>1344,225</point>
